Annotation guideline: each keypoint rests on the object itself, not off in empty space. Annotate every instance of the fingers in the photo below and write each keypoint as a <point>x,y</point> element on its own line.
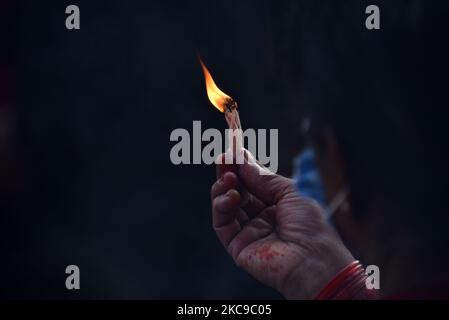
<point>256,188</point>
<point>225,201</point>
<point>228,218</point>
<point>238,222</point>
<point>227,181</point>
<point>225,204</point>
<point>224,164</point>
<point>225,208</point>
<point>232,225</point>
<point>256,179</point>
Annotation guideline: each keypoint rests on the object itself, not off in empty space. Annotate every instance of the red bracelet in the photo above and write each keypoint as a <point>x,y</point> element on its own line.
<point>348,284</point>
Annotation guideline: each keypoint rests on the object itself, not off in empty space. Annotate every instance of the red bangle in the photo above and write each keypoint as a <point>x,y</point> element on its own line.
<point>346,285</point>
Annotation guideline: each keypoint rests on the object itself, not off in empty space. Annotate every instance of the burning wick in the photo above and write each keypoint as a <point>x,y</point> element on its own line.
<point>227,105</point>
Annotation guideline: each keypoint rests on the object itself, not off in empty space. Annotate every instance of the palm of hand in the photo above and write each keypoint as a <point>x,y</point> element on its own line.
<point>277,240</point>
<point>273,233</point>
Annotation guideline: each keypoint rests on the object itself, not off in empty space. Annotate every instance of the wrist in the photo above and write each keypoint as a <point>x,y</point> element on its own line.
<point>325,259</point>
<point>350,283</point>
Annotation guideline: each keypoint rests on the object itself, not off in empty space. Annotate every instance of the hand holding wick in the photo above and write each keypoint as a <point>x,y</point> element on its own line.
<point>276,235</point>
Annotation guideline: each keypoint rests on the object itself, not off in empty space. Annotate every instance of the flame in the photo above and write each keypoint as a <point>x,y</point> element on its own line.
<point>217,97</point>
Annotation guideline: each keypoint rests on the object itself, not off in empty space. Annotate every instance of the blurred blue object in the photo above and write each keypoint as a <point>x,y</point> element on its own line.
<point>307,178</point>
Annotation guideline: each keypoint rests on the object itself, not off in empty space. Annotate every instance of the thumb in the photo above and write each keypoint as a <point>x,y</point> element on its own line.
<point>261,182</point>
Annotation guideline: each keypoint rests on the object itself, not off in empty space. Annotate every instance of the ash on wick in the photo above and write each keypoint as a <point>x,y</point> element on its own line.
<point>228,106</point>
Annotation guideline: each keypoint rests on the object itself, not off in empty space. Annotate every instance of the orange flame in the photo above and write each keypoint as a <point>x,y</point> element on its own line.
<point>217,97</point>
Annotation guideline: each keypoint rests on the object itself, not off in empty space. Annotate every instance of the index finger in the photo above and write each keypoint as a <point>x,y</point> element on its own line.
<point>224,163</point>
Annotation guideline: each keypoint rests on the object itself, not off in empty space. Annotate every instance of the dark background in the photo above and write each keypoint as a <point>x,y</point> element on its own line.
<point>86,116</point>
<point>88,175</point>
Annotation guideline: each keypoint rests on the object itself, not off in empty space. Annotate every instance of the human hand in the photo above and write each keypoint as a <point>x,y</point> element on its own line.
<point>272,232</point>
